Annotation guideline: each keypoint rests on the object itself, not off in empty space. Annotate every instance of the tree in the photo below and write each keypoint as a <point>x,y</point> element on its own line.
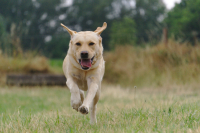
<point>183,21</point>
<point>34,20</point>
<point>4,41</point>
<point>147,16</point>
<point>90,14</point>
<point>123,32</point>
<point>57,47</point>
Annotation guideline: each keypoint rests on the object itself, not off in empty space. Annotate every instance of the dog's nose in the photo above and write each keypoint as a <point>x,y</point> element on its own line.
<point>84,54</point>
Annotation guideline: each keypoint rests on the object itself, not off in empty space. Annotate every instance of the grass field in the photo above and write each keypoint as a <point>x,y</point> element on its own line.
<point>47,109</point>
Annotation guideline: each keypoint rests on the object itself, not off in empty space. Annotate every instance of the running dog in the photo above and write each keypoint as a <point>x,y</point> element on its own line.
<point>84,68</point>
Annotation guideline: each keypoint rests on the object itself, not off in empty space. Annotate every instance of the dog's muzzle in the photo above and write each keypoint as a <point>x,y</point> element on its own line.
<point>86,63</point>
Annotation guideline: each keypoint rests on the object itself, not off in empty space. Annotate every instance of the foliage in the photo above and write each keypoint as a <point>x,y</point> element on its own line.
<point>29,22</point>
<point>90,14</point>
<point>2,26</point>
<point>34,20</point>
<point>183,20</point>
<point>123,32</point>
<point>5,43</point>
<point>57,47</point>
<point>148,16</point>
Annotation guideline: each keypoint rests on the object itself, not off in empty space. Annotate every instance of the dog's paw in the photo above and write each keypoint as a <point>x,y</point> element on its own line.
<point>83,109</point>
<point>76,104</point>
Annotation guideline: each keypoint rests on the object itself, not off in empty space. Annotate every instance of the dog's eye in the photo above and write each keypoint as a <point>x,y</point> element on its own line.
<point>78,44</point>
<point>91,43</point>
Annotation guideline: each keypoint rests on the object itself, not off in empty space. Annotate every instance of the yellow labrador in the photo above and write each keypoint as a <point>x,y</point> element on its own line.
<point>84,69</point>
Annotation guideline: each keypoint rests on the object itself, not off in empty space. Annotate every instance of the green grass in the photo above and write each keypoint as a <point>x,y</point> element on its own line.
<point>47,109</point>
<point>56,65</point>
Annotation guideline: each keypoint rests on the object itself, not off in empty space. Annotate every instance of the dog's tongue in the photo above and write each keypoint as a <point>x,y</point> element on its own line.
<point>86,62</point>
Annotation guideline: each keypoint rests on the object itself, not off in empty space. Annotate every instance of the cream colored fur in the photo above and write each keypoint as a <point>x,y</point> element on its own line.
<point>79,80</point>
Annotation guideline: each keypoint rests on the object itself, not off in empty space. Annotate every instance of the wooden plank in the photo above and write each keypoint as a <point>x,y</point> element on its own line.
<point>35,79</point>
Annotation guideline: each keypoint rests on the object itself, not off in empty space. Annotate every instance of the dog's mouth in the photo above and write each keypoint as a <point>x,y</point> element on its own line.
<point>86,63</point>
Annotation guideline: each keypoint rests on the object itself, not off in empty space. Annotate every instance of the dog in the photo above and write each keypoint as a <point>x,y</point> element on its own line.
<point>84,68</point>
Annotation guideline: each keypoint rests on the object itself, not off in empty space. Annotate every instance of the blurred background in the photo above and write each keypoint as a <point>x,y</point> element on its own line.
<point>147,42</point>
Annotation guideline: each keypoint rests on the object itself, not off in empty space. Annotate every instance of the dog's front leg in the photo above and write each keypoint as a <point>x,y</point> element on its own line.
<point>92,90</point>
<point>75,94</point>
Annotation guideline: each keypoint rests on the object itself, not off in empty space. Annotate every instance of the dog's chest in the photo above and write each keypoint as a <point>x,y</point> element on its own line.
<point>82,84</point>
<point>81,81</point>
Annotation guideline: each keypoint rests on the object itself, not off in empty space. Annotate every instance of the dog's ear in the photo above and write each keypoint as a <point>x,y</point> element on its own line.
<point>99,30</point>
<point>71,32</point>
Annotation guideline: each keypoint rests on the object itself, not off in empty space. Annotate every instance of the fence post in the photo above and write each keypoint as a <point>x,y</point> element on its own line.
<point>194,34</point>
<point>165,36</point>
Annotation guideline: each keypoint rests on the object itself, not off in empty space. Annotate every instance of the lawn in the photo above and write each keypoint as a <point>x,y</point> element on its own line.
<point>47,109</point>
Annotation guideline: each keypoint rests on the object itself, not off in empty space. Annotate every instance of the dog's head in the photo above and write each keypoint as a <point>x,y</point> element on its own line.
<point>86,46</point>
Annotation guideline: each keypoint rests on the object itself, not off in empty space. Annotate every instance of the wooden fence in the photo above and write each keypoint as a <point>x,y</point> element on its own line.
<point>35,79</point>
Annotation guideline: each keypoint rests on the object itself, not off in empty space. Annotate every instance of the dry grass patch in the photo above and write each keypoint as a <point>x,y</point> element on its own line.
<point>157,65</point>
<point>27,64</point>
<point>24,65</point>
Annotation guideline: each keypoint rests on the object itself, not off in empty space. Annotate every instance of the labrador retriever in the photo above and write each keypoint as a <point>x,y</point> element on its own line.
<point>84,69</point>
